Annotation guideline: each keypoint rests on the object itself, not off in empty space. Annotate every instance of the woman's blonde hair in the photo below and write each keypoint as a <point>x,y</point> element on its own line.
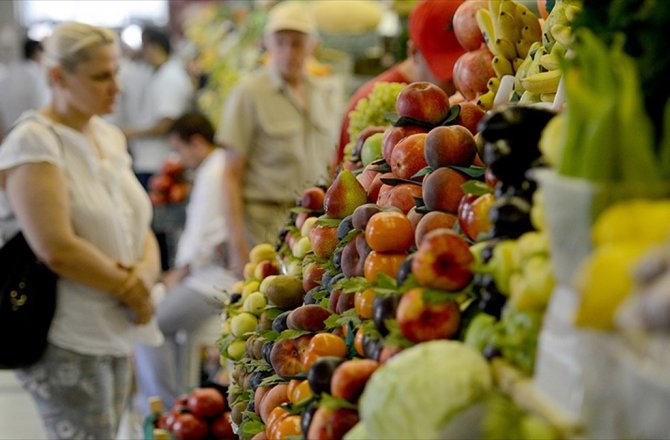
<point>70,43</point>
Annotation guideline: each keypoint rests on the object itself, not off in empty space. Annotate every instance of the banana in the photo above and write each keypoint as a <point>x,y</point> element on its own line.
<point>550,61</point>
<point>562,34</point>
<point>502,66</point>
<point>547,97</point>
<point>529,98</point>
<point>530,29</point>
<point>543,82</point>
<point>521,73</point>
<point>516,63</point>
<point>535,52</point>
<point>508,6</point>
<point>505,48</point>
<point>522,47</point>
<point>494,7</point>
<point>485,101</point>
<point>507,27</point>
<point>493,84</point>
<point>571,12</point>
<point>485,24</point>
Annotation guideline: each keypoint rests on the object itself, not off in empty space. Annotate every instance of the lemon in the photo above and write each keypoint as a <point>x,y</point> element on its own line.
<point>604,281</point>
<point>642,221</point>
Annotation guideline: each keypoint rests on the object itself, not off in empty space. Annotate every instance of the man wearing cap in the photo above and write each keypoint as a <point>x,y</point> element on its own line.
<point>279,129</point>
<point>432,51</point>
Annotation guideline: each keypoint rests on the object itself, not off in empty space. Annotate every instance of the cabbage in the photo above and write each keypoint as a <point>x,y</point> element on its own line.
<point>417,392</point>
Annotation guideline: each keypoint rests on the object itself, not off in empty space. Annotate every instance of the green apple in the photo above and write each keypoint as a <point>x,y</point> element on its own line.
<point>372,149</point>
<point>236,349</point>
<point>243,323</point>
<point>302,247</point>
<point>263,288</point>
<point>249,288</point>
<point>255,303</point>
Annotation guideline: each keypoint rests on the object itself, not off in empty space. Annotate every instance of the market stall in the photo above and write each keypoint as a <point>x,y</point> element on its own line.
<point>496,268</point>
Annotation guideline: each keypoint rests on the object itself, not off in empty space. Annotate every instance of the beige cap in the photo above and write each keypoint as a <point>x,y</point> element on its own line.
<point>290,16</point>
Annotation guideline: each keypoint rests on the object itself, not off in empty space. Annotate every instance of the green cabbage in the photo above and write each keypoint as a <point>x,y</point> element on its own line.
<point>416,393</point>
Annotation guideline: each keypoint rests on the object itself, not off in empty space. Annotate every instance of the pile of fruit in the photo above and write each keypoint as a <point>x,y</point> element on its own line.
<point>170,185</point>
<point>200,414</point>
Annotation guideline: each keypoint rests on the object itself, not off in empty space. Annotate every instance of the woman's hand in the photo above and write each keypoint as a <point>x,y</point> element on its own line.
<point>135,293</point>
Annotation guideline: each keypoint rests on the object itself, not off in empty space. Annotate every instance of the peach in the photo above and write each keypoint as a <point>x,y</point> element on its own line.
<point>431,221</point>
<point>311,275</point>
<point>443,261</point>
<point>393,135</point>
<point>312,198</point>
<point>309,317</point>
<point>442,190</point>
<point>376,186</point>
<point>422,321</point>
<point>401,196</point>
<point>366,177</point>
<point>407,158</point>
<point>473,215</point>
<point>331,424</point>
<point>350,378</point>
<point>272,399</point>
<point>452,145</point>
<point>469,116</point>
<point>423,101</point>
<point>324,240</point>
<point>286,356</point>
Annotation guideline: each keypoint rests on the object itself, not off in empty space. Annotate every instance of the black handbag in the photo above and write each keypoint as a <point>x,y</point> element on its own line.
<point>27,304</point>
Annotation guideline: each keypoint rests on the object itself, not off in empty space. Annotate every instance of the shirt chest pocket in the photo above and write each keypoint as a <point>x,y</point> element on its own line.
<point>281,131</point>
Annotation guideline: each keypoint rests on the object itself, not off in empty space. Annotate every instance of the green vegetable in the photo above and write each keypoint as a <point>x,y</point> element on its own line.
<point>421,389</point>
<point>516,337</point>
<point>480,331</point>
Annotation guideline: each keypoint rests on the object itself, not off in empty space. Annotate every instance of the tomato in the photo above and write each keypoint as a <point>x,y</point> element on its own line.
<point>276,415</point>
<point>189,427</point>
<point>324,344</point>
<point>300,393</point>
<point>206,402</point>
<point>221,427</point>
<point>287,427</point>
<point>389,231</point>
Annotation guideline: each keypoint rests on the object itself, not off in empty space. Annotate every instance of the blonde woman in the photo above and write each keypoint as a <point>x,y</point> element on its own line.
<point>66,182</point>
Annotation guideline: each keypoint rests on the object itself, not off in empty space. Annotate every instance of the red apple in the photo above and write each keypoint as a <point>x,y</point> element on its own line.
<point>393,135</point>
<point>431,221</point>
<point>366,177</point>
<point>443,261</point>
<point>375,187</point>
<point>465,24</point>
<point>469,116</point>
<point>312,198</point>
<point>442,190</point>
<point>472,72</point>
<point>423,101</point>
<point>265,268</point>
<point>401,196</point>
<point>473,215</point>
<point>449,146</point>
<point>421,321</point>
<point>407,158</point>
<point>324,240</point>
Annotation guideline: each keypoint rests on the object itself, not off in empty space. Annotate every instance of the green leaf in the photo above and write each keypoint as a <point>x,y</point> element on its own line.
<point>393,181</point>
<point>253,365</point>
<point>272,380</point>
<point>435,296</point>
<point>395,337</point>
<point>328,401</point>
<point>250,428</point>
<point>472,171</point>
<point>410,283</point>
<point>451,118</point>
<point>335,320</point>
<point>382,168</point>
<point>422,172</point>
<point>476,188</point>
<point>353,284</point>
<point>291,334</point>
<point>386,282</point>
<point>323,221</point>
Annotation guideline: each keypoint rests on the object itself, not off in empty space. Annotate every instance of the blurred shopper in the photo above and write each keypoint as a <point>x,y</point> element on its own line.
<point>66,182</point>
<point>167,94</point>
<point>24,85</point>
<point>432,52</point>
<point>195,286</point>
<point>278,126</point>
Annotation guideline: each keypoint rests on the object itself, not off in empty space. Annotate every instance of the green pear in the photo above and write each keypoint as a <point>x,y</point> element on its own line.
<point>285,292</point>
<point>344,195</point>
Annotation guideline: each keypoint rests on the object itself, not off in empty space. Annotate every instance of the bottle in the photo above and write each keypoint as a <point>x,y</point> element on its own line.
<point>155,413</point>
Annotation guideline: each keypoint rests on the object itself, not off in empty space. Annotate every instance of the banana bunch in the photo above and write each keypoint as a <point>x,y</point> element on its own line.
<point>509,30</point>
<point>538,75</point>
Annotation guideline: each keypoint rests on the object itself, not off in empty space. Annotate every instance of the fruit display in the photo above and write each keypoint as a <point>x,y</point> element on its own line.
<point>410,297</point>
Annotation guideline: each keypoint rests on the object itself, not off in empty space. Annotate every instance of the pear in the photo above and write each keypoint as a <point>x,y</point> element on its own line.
<point>344,195</point>
<point>285,292</point>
